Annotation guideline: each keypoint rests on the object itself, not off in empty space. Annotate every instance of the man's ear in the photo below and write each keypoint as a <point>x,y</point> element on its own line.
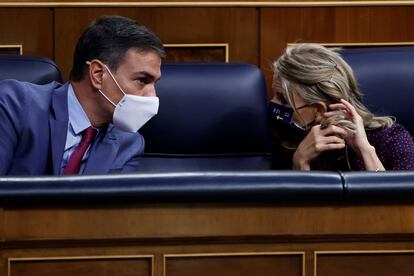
<point>320,108</point>
<point>96,70</point>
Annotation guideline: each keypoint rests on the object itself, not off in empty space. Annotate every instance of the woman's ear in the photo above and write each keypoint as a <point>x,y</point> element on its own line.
<point>96,73</point>
<point>320,108</point>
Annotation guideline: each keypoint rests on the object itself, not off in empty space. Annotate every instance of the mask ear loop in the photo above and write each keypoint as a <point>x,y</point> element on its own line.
<point>113,78</point>
<point>106,97</point>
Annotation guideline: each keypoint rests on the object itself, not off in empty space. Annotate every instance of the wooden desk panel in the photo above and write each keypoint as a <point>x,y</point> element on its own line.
<point>199,238</point>
<point>250,264</point>
<point>82,266</point>
<point>204,221</point>
<point>364,263</point>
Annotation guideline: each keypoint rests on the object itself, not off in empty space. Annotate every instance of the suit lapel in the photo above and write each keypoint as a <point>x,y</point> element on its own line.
<point>58,122</point>
<point>103,153</point>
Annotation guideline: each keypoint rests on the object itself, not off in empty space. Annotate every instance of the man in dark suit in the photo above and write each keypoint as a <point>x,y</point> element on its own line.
<point>88,125</point>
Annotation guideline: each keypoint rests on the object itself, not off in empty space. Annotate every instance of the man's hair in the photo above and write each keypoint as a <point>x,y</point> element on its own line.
<point>108,39</point>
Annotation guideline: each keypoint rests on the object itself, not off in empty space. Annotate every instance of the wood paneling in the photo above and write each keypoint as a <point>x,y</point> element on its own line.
<point>33,28</point>
<point>81,267</point>
<point>278,265</point>
<point>280,26</point>
<point>196,239</point>
<point>236,26</point>
<point>365,264</point>
<point>200,221</point>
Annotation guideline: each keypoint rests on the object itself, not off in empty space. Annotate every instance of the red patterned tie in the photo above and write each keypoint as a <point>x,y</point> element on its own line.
<point>75,160</point>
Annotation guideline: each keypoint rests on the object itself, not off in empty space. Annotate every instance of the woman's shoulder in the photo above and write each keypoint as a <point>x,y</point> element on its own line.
<point>395,130</point>
<point>394,146</point>
<point>389,139</point>
<point>385,133</point>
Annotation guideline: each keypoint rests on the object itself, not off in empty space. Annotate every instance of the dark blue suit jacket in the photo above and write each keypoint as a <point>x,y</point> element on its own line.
<point>33,129</point>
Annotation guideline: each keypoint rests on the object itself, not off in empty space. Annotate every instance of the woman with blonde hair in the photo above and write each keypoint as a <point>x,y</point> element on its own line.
<point>320,121</point>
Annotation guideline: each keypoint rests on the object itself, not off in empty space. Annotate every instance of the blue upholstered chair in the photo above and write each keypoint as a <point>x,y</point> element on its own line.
<point>33,69</point>
<point>386,78</point>
<point>212,116</point>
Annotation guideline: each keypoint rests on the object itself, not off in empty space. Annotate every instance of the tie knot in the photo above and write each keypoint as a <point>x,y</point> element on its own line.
<point>88,135</point>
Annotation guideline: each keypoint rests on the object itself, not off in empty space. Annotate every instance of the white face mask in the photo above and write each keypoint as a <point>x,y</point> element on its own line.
<point>132,112</point>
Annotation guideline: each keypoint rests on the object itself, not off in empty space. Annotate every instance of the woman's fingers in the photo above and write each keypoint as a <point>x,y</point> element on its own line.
<point>337,106</point>
<point>329,143</point>
<point>335,131</point>
<point>348,106</point>
<point>333,140</point>
<point>335,113</point>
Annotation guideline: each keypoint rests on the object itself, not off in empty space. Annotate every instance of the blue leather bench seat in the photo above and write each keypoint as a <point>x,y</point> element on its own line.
<point>33,69</point>
<point>212,116</point>
<point>391,187</point>
<point>386,78</point>
<point>278,187</point>
<point>224,187</point>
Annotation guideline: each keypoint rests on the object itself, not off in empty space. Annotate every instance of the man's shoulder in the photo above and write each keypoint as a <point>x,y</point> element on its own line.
<point>26,101</point>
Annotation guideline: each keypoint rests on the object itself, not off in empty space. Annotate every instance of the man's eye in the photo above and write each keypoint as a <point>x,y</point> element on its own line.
<point>143,80</point>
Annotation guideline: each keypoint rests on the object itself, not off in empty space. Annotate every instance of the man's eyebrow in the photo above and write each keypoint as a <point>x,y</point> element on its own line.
<point>146,74</point>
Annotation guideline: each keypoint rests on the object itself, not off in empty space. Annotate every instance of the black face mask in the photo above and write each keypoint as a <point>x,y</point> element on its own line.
<point>281,121</point>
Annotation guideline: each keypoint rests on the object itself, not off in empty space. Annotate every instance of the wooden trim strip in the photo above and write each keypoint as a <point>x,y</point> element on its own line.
<point>19,47</point>
<point>269,4</point>
<point>201,45</point>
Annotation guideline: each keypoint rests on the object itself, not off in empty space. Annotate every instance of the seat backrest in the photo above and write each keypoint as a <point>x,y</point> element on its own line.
<point>386,78</point>
<point>32,69</point>
<point>212,116</point>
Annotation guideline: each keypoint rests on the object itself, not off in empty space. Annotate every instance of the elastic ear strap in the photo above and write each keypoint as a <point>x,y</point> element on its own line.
<point>112,76</point>
<point>107,98</point>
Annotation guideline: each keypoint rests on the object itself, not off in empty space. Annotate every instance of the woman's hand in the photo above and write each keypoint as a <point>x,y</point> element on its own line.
<point>358,140</point>
<point>317,141</point>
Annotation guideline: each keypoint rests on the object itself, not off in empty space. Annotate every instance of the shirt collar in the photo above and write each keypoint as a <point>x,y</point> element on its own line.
<point>78,119</point>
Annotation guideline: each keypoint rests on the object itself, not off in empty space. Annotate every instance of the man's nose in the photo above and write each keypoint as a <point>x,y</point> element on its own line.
<point>150,91</point>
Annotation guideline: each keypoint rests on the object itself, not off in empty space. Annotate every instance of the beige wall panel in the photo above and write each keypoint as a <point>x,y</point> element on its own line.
<point>236,26</point>
<point>31,27</point>
<point>280,26</point>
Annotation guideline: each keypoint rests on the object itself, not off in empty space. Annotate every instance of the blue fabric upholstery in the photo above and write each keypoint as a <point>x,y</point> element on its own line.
<point>32,69</point>
<point>386,78</point>
<point>212,116</point>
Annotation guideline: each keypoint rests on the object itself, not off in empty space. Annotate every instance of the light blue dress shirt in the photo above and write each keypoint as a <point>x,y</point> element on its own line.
<point>78,122</point>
